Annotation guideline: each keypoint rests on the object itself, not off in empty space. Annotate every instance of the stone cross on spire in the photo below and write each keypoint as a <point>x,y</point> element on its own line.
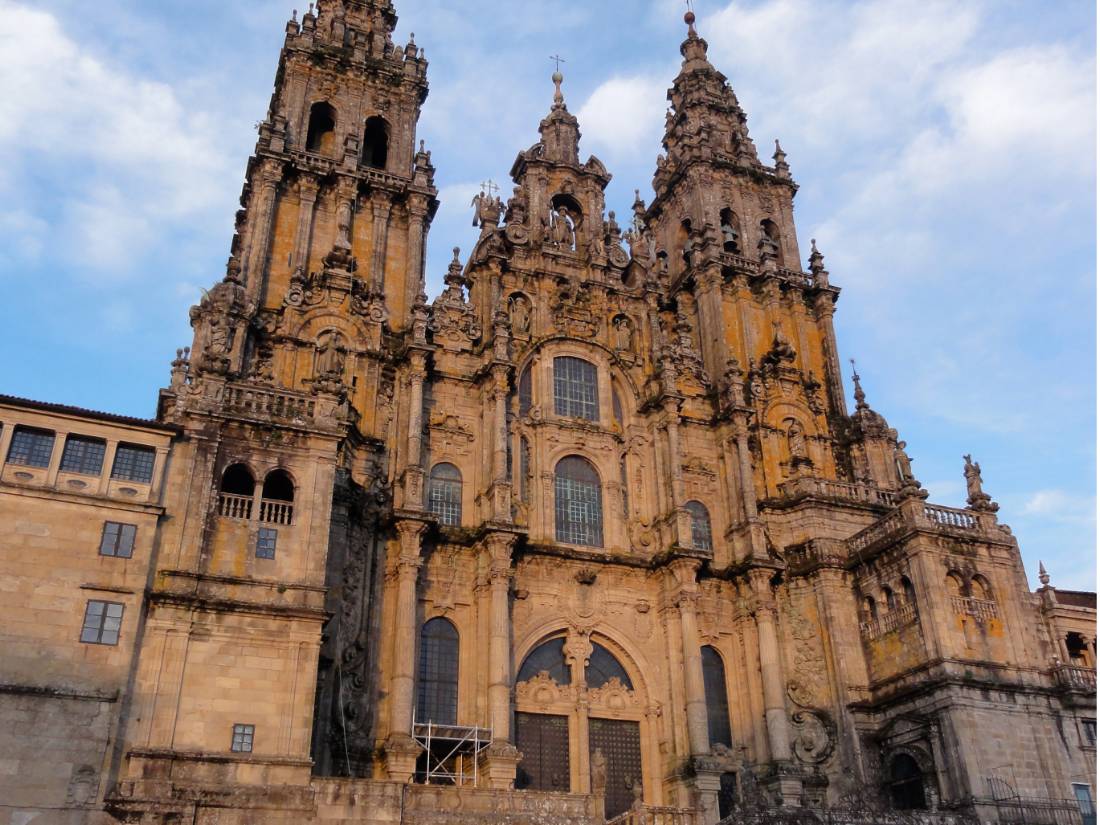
<point>559,98</point>
<point>861,396</point>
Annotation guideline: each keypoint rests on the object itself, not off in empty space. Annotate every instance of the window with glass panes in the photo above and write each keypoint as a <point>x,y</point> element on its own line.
<point>242,738</point>
<point>445,494</point>
<point>117,540</point>
<point>437,682</point>
<point>575,391</point>
<point>578,504</point>
<point>83,455</point>
<point>265,542</point>
<point>31,448</point>
<point>700,526</point>
<point>102,622</point>
<point>714,689</point>
<point>133,463</point>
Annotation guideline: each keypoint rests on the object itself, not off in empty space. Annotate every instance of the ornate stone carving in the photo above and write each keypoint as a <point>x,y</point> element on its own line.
<point>815,736</point>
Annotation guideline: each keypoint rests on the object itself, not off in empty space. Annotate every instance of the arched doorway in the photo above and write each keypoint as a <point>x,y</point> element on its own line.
<point>580,721</point>
<point>905,784</point>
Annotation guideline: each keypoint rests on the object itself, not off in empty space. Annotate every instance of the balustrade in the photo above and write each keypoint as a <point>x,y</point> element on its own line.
<point>267,403</point>
<point>234,506</point>
<point>276,512</point>
<point>982,609</point>
<point>901,616</point>
<point>950,517</point>
<point>827,488</point>
<point>1076,678</point>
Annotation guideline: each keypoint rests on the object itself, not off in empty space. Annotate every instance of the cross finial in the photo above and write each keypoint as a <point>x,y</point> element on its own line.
<point>689,18</point>
<point>558,60</point>
<point>489,188</point>
<point>861,397</point>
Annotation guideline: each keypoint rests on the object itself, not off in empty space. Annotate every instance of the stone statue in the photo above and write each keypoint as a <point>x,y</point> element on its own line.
<point>487,212</point>
<point>624,334</point>
<point>599,771</point>
<point>796,441</point>
<point>903,463</point>
<point>331,355</point>
<point>343,225</point>
<point>561,228</point>
<point>976,497</point>
<point>519,311</point>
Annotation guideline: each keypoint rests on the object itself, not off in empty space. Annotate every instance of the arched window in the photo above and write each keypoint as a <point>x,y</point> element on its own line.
<point>524,470</point>
<point>575,391</point>
<point>888,598</point>
<point>602,667</point>
<point>525,392</point>
<point>906,784</point>
<point>578,503</point>
<point>445,494</point>
<point>731,234</point>
<point>714,688</point>
<point>321,137</point>
<point>870,609</point>
<point>549,657</point>
<point>376,141</point>
<point>954,584</point>
<point>700,526</point>
<point>980,589</point>
<point>437,685</point>
<point>235,492</point>
<point>237,480</point>
<point>909,591</point>
<point>277,499</point>
<point>769,232</point>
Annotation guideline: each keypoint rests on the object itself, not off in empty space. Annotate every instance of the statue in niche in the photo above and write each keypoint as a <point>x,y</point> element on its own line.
<point>561,228</point>
<point>343,225</point>
<point>519,312</point>
<point>219,337</point>
<point>331,355</point>
<point>796,442</point>
<point>624,334</point>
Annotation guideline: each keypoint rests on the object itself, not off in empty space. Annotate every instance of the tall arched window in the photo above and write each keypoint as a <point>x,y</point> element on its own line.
<point>770,231</point>
<point>235,492</point>
<point>321,137</point>
<point>437,685</point>
<point>376,140</point>
<point>888,598</point>
<point>906,784</point>
<point>525,392</point>
<point>277,499</point>
<point>578,503</point>
<point>714,688</point>
<point>700,526</point>
<point>445,494</point>
<point>575,390</point>
<point>602,667</point>
<point>731,234</point>
<point>908,590</point>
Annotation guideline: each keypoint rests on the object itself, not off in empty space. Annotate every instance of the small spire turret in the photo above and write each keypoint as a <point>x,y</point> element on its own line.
<point>861,396</point>
<point>782,168</point>
<point>1044,576</point>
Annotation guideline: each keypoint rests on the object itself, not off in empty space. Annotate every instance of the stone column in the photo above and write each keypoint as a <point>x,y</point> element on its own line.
<point>501,757</point>
<point>401,750</point>
<point>308,188</point>
<point>414,473</point>
<point>262,220</point>
<point>418,217</point>
<point>682,518</point>
<point>771,670</point>
<point>380,210</point>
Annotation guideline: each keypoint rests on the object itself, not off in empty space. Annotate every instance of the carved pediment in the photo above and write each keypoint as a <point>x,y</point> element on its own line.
<point>542,691</point>
<point>613,696</point>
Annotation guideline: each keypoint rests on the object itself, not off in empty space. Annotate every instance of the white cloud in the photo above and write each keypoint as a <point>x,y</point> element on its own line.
<point>131,159</point>
<point>1061,506</point>
<point>623,116</point>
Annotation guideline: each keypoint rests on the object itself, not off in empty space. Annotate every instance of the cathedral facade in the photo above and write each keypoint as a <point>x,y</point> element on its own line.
<point>591,536</point>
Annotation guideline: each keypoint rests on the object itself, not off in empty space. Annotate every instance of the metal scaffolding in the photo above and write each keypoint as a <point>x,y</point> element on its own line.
<point>450,752</point>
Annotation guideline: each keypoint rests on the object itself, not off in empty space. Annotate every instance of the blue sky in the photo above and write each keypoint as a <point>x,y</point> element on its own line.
<point>945,150</point>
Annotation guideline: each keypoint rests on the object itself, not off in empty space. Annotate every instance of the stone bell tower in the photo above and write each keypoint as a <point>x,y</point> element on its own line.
<point>283,404</point>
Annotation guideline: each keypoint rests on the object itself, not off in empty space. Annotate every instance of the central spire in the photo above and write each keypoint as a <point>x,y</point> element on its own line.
<point>560,130</point>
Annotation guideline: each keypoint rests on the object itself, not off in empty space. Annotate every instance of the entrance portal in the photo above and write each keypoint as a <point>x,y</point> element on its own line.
<point>620,742</point>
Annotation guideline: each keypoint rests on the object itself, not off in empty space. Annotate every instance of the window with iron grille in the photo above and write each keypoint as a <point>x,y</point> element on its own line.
<point>549,657</point>
<point>445,494</point>
<point>714,689</point>
<point>265,542</point>
<point>83,455</point>
<point>575,391</point>
<point>117,540</point>
<point>31,448</point>
<point>578,504</point>
<point>700,526</point>
<point>602,667</point>
<point>437,685</point>
<point>102,622</point>
<point>133,463</point>
<point>242,738</point>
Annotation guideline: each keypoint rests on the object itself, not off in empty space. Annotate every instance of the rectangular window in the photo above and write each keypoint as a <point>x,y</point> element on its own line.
<point>1083,795</point>
<point>242,738</point>
<point>134,463</point>
<point>118,540</point>
<point>102,621</point>
<point>83,455</point>
<point>1088,730</point>
<point>575,390</point>
<point>31,448</point>
<point>265,543</point>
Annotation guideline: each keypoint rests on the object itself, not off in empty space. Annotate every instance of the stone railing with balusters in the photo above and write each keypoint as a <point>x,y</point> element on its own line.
<point>808,486</point>
<point>1072,677</point>
<point>231,505</point>
<point>276,512</point>
<point>264,402</point>
<point>950,517</point>
<point>913,514</point>
<point>982,609</point>
<point>656,815</point>
<point>901,616</point>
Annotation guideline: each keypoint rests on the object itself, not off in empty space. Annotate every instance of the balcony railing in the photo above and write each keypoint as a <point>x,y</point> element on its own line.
<point>826,488</point>
<point>950,517</point>
<point>900,616</point>
<point>267,403</point>
<point>1072,677</point>
<point>656,815</point>
<point>982,609</point>
<point>276,512</point>
<point>231,505</point>
<point>924,516</point>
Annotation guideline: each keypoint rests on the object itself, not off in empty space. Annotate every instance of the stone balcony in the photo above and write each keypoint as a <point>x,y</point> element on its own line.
<point>1077,679</point>
<point>914,515</point>
<point>806,487</point>
<point>260,403</point>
